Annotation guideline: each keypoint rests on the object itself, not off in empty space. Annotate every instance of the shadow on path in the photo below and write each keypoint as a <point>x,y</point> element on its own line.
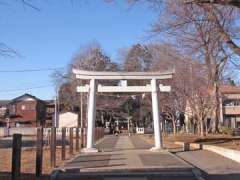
<point>24,176</point>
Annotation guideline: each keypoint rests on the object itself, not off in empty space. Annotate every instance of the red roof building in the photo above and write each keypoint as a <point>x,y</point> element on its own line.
<point>27,111</point>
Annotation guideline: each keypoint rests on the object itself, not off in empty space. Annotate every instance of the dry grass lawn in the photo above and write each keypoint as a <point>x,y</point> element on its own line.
<point>218,140</point>
<point>28,162</point>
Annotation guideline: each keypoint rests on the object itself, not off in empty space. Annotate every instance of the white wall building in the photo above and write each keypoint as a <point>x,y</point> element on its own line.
<point>68,119</point>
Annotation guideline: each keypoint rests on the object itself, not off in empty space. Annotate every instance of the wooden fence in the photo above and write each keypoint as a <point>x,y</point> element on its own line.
<point>51,137</point>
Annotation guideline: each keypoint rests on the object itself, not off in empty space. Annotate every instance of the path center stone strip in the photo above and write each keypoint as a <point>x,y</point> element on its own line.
<point>124,143</point>
<point>108,143</point>
<point>129,157</point>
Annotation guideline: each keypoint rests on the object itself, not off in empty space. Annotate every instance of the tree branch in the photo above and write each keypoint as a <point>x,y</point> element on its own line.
<point>7,51</point>
<point>235,3</point>
<point>27,3</point>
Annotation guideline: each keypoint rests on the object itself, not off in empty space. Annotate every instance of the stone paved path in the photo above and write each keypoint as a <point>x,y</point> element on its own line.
<point>213,165</point>
<point>127,157</point>
<point>124,152</point>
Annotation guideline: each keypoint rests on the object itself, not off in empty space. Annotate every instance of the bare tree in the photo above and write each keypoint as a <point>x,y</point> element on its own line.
<point>90,57</point>
<point>137,58</point>
<point>195,30</point>
<point>235,3</point>
<point>230,38</point>
<point>189,84</point>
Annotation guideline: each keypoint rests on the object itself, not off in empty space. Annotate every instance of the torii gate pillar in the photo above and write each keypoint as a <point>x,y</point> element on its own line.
<point>91,116</point>
<point>156,115</point>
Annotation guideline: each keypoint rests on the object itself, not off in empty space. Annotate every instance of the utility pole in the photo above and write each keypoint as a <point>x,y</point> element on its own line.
<point>81,108</point>
<point>56,110</point>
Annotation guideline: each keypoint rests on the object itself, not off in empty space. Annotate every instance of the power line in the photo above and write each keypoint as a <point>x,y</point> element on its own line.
<point>27,89</point>
<point>30,70</point>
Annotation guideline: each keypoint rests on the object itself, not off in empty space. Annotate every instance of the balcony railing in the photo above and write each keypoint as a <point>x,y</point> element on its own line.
<point>231,110</point>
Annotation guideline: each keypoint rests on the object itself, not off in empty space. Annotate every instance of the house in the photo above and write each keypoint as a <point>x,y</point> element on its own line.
<point>229,109</point>
<point>3,107</point>
<point>230,106</point>
<point>27,111</point>
<point>3,111</point>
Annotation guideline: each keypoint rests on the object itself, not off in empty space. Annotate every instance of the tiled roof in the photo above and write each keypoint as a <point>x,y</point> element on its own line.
<point>26,95</point>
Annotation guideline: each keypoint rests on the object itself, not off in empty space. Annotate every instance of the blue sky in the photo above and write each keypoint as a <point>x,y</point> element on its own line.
<point>50,38</point>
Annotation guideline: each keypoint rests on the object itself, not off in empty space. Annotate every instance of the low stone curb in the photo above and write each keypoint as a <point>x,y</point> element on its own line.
<point>228,153</point>
<point>169,173</point>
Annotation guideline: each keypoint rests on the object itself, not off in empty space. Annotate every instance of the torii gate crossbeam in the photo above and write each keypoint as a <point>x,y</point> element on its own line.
<point>93,88</point>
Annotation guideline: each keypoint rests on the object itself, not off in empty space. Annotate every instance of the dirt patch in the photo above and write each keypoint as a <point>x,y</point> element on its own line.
<point>166,143</point>
<point>218,140</point>
<point>28,161</point>
<point>233,144</point>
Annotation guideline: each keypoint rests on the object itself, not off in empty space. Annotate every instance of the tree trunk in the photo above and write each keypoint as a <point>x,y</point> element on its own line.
<point>202,132</point>
<point>206,127</point>
<point>217,109</point>
<point>198,128</point>
<point>163,126</point>
<point>174,126</point>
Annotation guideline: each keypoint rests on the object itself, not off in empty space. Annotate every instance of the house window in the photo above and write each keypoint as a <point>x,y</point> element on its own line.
<point>238,125</point>
<point>232,102</point>
<point>31,107</point>
<point>23,107</point>
<point>28,107</point>
<point>237,103</point>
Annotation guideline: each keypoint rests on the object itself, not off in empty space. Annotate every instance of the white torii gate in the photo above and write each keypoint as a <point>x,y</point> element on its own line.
<point>93,88</point>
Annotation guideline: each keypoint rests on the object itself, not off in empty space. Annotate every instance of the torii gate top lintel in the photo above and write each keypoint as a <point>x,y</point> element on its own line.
<point>81,74</point>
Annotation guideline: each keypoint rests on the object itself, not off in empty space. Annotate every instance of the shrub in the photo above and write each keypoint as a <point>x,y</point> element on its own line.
<point>226,130</point>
